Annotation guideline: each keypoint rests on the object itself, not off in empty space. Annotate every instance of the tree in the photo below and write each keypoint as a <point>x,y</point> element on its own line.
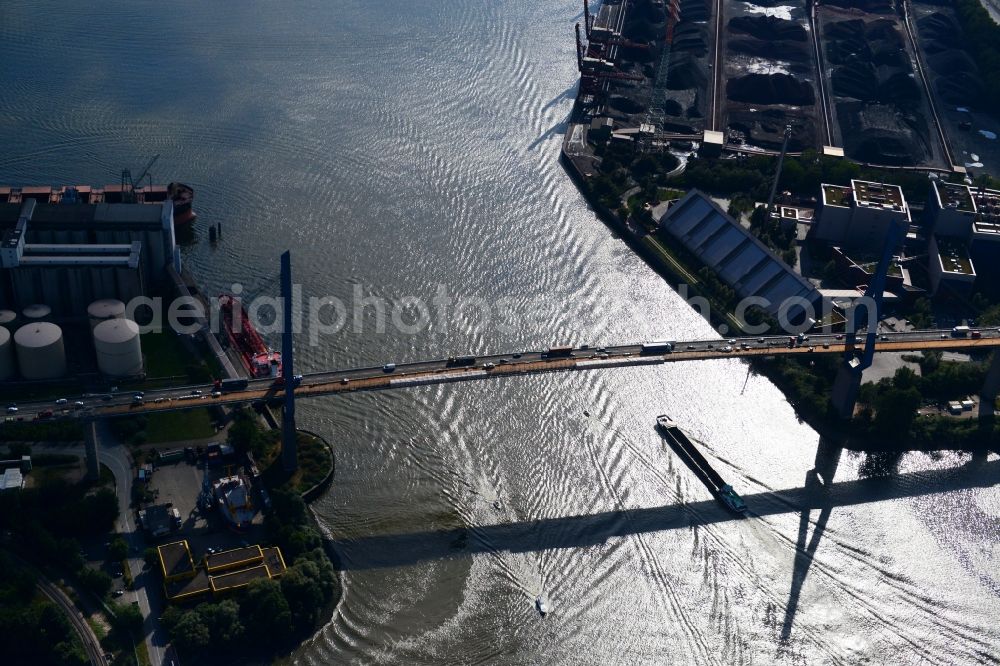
<point>128,619</point>
<point>300,585</point>
<point>222,620</point>
<point>151,557</point>
<point>266,613</point>
<point>118,550</point>
<point>895,410</point>
<point>189,633</point>
<point>94,580</point>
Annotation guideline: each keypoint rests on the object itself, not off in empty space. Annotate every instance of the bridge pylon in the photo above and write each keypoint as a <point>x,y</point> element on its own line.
<point>289,438</point>
<point>866,312</point>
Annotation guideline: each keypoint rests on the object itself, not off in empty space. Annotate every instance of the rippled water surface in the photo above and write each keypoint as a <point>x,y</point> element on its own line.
<point>402,148</point>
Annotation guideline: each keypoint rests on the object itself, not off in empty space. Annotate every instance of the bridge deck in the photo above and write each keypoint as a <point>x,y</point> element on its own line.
<point>438,372</point>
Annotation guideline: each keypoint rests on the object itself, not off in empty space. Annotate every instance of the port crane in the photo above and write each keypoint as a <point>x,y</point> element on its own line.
<point>129,184</point>
<point>777,172</point>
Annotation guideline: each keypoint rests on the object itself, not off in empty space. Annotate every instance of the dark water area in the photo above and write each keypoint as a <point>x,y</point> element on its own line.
<point>405,150</point>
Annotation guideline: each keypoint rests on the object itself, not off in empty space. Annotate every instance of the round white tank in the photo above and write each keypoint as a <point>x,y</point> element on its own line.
<point>104,309</point>
<point>119,351</point>
<point>8,319</point>
<point>6,355</point>
<point>37,312</point>
<point>40,352</point>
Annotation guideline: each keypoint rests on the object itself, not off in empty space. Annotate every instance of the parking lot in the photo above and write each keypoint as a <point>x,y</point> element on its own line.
<point>180,484</point>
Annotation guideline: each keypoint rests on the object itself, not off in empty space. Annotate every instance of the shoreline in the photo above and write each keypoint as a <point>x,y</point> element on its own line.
<point>839,433</point>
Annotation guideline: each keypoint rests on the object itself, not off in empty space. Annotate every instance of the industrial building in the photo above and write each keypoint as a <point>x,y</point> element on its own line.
<point>966,220</point>
<point>858,217</point>
<point>949,262</point>
<point>69,254</point>
<point>739,258</point>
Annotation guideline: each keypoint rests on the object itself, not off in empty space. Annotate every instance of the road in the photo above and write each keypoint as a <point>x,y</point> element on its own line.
<point>90,642</point>
<point>116,458</point>
<point>491,366</point>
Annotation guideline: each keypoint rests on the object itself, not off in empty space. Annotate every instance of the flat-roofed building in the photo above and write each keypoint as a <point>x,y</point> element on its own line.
<point>234,559</point>
<point>859,216</point>
<point>274,561</point>
<point>187,589</point>
<point>949,263</point>
<point>234,580</point>
<point>176,562</point>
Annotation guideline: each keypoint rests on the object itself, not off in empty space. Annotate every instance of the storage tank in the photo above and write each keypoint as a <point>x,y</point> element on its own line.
<point>119,351</point>
<point>40,352</point>
<point>8,320</point>
<point>37,312</point>
<point>6,355</point>
<point>104,309</point>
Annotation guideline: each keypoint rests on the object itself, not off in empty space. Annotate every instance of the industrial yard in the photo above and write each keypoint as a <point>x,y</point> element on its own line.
<point>876,83</point>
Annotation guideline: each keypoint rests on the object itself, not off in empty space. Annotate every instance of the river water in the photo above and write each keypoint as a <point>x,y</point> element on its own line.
<point>403,150</point>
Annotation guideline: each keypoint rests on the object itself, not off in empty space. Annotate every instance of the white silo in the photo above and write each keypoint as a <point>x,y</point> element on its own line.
<point>119,351</point>
<point>104,309</point>
<point>8,319</point>
<point>6,355</point>
<point>37,312</point>
<point>40,352</point>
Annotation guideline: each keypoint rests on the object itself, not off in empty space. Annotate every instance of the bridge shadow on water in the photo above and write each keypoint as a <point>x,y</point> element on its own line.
<point>580,531</point>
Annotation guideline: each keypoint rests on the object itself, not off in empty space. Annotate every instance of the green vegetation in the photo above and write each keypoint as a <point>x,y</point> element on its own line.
<point>159,428</point>
<point>247,434</point>
<point>981,36</point>
<point>33,630</point>
<point>41,431</point>
<point>888,409</point>
<point>167,356</point>
<point>801,175</point>
<point>622,167</point>
<point>269,615</point>
<point>769,231</point>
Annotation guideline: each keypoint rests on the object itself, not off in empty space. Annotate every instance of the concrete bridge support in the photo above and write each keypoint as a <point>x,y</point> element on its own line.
<point>846,387</point>
<point>991,388</point>
<point>93,461</point>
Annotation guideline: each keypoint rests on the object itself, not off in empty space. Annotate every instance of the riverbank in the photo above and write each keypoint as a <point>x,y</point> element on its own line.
<point>806,387</point>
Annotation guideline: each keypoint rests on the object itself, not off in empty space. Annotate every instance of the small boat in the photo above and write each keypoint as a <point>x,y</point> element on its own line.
<point>541,605</point>
<point>497,504</point>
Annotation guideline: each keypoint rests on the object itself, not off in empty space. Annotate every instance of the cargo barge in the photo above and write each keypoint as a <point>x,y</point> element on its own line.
<point>260,360</point>
<point>182,195</point>
<point>694,459</point>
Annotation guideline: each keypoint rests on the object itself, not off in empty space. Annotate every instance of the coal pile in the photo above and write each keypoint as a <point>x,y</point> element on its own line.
<point>873,78</point>
<point>785,51</point>
<point>694,11</point>
<point>690,38</point>
<point>770,89</point>
<point>625,104</point>
<point>940,32</point>
<point>863,81</point>
<point>686,71</point>
<point>766,128</point>
<point>768,28</point>
<point>867,6</point>
<point>883,134</point>
<point>956,77</point>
